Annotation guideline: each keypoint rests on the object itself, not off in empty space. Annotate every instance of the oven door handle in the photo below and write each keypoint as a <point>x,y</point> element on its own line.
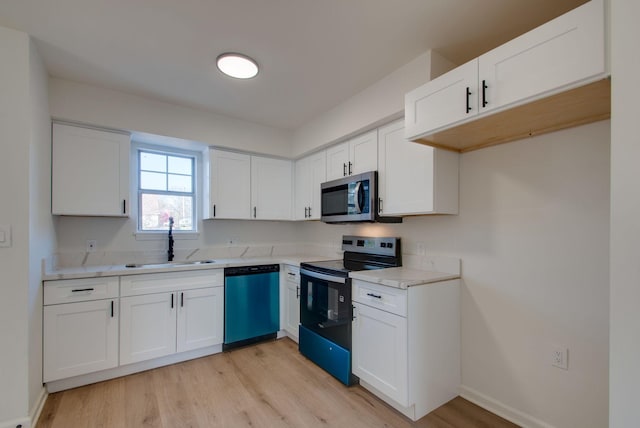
<point>322,276</point>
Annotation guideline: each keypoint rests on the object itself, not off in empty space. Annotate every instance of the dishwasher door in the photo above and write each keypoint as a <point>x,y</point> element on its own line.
<point>251,304</point>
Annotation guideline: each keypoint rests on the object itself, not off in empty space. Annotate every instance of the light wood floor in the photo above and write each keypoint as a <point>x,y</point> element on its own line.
<point>265,385</point>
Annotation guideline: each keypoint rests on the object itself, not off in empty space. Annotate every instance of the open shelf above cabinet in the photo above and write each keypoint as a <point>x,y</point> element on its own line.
<point>579,106</point>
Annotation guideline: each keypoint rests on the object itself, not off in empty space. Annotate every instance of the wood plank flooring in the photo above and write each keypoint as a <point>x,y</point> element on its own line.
<point>265,385</point>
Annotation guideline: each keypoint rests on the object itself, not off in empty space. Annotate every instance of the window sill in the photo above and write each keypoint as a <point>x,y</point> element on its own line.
<point>160,236</point>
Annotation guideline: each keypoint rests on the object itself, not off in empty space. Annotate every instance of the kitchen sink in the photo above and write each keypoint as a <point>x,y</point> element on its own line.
<point>168,264</point>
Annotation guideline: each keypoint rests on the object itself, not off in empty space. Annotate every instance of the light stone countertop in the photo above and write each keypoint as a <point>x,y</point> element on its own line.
<point>402,277</point>
<point>118,270</point>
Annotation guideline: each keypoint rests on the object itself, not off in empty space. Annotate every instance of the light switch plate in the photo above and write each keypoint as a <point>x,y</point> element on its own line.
<point>5,235</point>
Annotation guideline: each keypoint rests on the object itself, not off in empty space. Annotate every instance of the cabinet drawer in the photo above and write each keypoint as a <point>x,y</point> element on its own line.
<point>135,285</point>
<point>292,273</point>
<point>80,290</point>
<point>388,299</point>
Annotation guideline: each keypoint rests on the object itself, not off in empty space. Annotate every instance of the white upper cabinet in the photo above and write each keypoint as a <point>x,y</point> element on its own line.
<point>563,54</point>
<point>230,185</point>
<point>90,172</point>
<point>414,178</point>
<point>271,188</point>
<point>564,51</point>
<point>355,156</point>
<point>311,172</point>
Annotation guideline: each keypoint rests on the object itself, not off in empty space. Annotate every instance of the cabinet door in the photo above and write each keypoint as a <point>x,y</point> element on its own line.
<point>230,185</point>
<point>337,161</point>
<point>566,50</point>
<point>79,338</point>
<point>303,187</point>
<point>271,188</point>
<point>363,153</point>
<point>90,172</point>
<point>292,308</point>
<point>443,101</point>
<point>200,318</point>
<point>311,172</point>
<point>380,351</point>
<point>147,327</point>
<point>405,173</point>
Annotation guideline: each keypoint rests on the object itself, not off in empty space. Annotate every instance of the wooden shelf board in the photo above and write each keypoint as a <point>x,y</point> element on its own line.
<point>579,106</point>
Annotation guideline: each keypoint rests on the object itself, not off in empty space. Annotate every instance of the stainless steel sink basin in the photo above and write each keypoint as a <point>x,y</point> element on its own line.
<point>168,264</point>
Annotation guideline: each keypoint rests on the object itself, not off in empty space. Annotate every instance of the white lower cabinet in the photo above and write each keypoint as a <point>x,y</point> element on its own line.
<point>80,327</point>
<point>171,312</point>
<point>406,344</point>
<point>291,292</point>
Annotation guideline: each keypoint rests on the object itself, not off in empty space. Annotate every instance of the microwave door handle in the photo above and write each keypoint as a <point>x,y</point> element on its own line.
<point>358,199</point>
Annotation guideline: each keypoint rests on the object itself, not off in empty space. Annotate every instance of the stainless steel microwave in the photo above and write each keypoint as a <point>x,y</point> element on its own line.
<point>352,199</point>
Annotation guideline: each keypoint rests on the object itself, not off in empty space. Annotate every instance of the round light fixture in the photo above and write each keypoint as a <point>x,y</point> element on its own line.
<point>237,65</point>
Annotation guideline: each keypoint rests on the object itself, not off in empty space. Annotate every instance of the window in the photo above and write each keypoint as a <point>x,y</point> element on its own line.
<point>166,189</point>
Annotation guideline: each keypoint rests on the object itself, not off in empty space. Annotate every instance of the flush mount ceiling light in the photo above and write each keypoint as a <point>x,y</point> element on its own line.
<point>237,65</point>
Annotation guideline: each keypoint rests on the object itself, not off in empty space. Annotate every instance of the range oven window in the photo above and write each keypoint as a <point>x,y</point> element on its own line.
<point>325,308</point>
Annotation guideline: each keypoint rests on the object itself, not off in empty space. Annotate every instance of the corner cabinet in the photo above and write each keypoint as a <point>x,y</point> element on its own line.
<point>406,344</point>
<point>90,172</point>
<point>310,173</point>
<point>565,53</point>
<point>358,155</point>
<point>414,178</point>
<point>243,187</point>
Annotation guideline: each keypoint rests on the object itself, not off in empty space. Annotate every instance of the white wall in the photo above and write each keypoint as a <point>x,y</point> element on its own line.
<point>14,205</point>
<point>41,233</point>
<point>118,110</point>
<point>625,216</point>
<point>378,104</point>
<point>532,234</point>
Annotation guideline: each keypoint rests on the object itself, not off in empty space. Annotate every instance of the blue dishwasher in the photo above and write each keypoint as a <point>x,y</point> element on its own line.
<point>251,304</point>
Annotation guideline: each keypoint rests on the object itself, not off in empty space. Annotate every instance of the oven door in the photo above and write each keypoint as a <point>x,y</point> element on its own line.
<point>325,306</point>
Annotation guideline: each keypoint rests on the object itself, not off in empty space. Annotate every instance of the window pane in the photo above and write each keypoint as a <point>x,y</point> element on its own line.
<point>155,211</point>
<point>180,183</point>
<point>153,162</point>
<point>153,181</point>
<point>180,165</point>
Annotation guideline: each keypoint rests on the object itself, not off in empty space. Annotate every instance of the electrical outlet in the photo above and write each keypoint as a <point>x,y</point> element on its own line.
<point>91,245</point>
<point>422,249</point>
<point>560,357</point>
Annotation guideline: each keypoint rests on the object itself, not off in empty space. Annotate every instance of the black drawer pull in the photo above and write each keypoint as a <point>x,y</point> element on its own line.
<point>79,290</point>
<point>484,93</point>
<point>468,104</point>
<point>182,300</point>
<point>112,309</point>
<point>377,296</point>
<point>171,300</point>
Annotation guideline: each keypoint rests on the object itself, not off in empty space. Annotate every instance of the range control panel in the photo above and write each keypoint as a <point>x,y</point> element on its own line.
<point>361,244</point>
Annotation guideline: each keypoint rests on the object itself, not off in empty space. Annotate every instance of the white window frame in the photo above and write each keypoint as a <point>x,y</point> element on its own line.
<point>144,235</point>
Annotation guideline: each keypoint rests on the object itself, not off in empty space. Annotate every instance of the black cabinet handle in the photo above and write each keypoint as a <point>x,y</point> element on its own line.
<point>214,210</point>
<point>306,212</point>
<point>254,212</point>
<point>350,164</point>
<point>182,300</point>
<point>291,273</point>
<point>298,292</point>
<point>484,93</point>
<point>344,169</point>
<point>112,309</point>
<point>124,206</point>
<point>468,101</point>
<point>79,290</point>
<point>171,300</point>
<point>377,296</point>
<point>309,212</point>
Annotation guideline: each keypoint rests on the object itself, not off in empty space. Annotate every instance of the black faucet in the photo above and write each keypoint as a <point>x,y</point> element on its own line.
<point>170,252</point>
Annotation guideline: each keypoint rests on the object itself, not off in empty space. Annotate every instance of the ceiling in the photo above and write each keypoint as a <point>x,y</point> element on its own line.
<point>313,53</point>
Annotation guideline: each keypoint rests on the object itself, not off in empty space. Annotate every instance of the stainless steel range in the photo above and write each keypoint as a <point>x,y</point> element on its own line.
<point>325,301</point>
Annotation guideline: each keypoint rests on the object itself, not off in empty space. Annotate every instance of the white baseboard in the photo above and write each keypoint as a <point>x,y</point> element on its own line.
<point>34,414</point>
<point>501,409</point>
